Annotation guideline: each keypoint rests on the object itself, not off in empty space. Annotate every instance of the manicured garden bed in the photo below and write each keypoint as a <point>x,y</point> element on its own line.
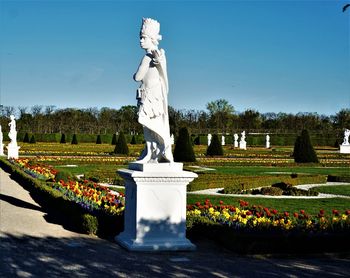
<point>271,226</point>
<point>334,189</point>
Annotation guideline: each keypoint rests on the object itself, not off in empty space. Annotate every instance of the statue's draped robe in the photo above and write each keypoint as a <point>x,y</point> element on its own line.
<point>153,110</point>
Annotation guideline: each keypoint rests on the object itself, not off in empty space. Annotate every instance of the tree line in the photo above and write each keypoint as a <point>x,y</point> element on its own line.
<point>219,117</point>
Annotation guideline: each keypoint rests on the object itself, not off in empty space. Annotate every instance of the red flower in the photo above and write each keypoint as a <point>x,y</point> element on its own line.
<point>302,211</point>
<point>221,202</point>
<point>286,214</point>
<point>321,211</point>
<point>295,214</point>
<point>274,211</point>
<point>233,209</point>
<point>335,212</point>
<point>198,204</point>
<point>347,212</point>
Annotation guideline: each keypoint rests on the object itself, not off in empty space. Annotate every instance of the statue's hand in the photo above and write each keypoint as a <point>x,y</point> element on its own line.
<point>157,56</point>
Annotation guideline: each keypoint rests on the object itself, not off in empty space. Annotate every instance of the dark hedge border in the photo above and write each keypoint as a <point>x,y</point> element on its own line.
<point>271,242</point>
<point>65,212</point>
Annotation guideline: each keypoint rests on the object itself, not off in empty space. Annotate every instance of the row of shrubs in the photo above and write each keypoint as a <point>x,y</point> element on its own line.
<point>70,214</point>
<point>75,138</point>
<point>233,184</point>
<point>252,139</point>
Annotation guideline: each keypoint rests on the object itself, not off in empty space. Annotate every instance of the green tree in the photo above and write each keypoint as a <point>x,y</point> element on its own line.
<point>114,139</point>
<point>26,138</point>
<point>220,112</point>
<point>32,139</point>
<point>121,147</point>
<point>98,139</point>
<point>74,139</point>
<point>183,148</point>
<point>63,139</point>
<point>133,140</point>
<point>303,149</point>
<point>215,147</point>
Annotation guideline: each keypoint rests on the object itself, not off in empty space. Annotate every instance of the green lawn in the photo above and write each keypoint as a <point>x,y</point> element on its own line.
<point>262,170</point>
<point>334,189</point>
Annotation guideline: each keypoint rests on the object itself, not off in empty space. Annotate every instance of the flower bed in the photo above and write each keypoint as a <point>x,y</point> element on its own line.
<point>89,195</point>
<point>252,229</point>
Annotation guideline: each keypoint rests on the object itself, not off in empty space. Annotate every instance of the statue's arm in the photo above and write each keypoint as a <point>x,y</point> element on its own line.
<point>143,68</point>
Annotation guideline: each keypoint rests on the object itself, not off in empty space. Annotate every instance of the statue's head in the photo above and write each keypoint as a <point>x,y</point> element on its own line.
<point>149,34</point>
<point>12,117</point>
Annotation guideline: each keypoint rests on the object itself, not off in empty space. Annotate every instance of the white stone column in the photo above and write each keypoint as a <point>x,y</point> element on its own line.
<point>155,207</point>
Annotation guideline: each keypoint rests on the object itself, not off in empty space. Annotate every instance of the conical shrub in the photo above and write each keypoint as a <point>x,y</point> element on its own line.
<point>63,139</point>
<point>74,140</point>
<point>98,139</point>
<point>114,139</point>
<point>121,147</point>
<point>303,149</point>
<point>26,138</point>
<point>183,151</point>
<point>32,140</point>
<point>215,147</point>
<point>133,140</point>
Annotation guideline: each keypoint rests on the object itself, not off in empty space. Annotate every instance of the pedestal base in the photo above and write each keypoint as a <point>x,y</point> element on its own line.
<point>243,145</point>
<point>1,149</point>
<point>344,149</point>
<point>12,151</point>
<point>155,209</point>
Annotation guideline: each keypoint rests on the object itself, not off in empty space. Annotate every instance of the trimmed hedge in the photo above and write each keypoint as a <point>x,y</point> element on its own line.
<point>267,242</point>
<point>183,151</point>
<point>70,214</point>
<point>121,147</point>
<point>215,147</point>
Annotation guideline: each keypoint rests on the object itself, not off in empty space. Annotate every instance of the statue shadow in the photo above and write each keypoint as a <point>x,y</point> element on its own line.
<point>19,203</point>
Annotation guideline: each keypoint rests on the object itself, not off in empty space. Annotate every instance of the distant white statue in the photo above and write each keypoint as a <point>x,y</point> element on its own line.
<point>152,96</point>
<point>12,148</point>
<point>223,140</point>
<point>267,141</point>
<point>209,139</point>
<point>172,139</point>
<point>235,136</point>
<point>1,142</point>
<point>242,142</point>
<point>346,137</point>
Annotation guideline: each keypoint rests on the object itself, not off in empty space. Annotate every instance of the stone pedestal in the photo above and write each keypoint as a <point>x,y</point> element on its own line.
<point>12,151</point>
<point>1,149</point>
<point>267,145</point>
<point>155,207</point>
<point>344,148</point>
<point>243,145</point>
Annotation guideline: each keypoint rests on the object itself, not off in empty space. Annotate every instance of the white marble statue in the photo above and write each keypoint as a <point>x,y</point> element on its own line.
<point>209,139</point>
<point>1,142</point>
<point>267,141</point>
<point>152,96</point>
<point>12,148</point>
<point>172,139</point>
<point>242,142</point>
<point>222,140</point>
<point>346,137</point>
<point>235,136</point>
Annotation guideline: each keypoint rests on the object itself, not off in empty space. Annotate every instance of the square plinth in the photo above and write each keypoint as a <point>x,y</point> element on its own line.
<point>155,210</point>
<point>344,149</point>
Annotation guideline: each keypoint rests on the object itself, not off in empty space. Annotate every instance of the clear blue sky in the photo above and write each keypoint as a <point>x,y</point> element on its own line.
<point>272,56</point>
